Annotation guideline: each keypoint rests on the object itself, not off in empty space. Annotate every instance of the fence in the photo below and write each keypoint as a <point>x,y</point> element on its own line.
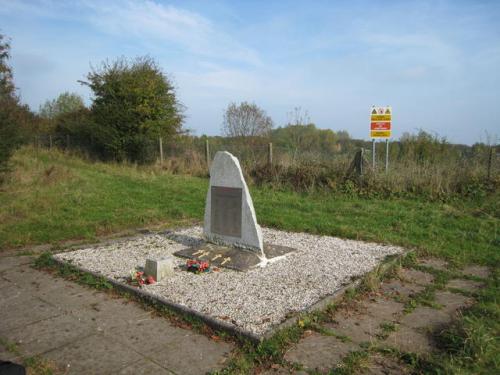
<point>193,155</point>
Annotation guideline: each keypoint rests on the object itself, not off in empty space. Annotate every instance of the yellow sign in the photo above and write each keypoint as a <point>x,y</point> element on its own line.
<point>380,122</point>
<point>380,118</point>
<point>380,133</point>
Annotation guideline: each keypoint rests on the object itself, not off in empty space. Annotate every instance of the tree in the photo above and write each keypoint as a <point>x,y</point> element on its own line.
<point>246,120</point>
<point>64,103</point>
<point>13,115</point>
<point>134,103</point>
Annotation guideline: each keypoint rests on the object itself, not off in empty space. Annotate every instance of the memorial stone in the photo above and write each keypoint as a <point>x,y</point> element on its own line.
<point>160,268</point>
<point>229,213</point>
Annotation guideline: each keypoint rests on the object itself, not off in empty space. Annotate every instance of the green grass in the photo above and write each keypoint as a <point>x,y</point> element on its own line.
<point>54,197</point>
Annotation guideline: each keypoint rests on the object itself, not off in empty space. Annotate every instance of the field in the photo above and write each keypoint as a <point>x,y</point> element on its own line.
<point>52,197</point>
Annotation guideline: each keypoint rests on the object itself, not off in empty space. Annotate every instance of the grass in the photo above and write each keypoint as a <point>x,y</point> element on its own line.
<point>34,365</point>
<point>53,197</point>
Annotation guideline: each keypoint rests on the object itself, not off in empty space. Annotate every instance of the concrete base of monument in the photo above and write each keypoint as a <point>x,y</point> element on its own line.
<point>254,303</point>
<point>232,257</point>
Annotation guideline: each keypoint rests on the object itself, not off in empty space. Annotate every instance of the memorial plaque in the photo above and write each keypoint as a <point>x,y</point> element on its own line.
<point>231,257</point>
<point>226,211</point>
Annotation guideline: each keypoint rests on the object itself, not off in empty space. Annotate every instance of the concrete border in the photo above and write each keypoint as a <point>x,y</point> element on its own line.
<point>220,325</point>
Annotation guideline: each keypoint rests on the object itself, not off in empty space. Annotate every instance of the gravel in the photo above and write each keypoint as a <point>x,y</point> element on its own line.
<point>255,300</point>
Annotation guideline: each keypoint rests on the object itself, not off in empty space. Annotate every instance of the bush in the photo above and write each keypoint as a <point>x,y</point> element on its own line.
<point>13,116</point>
<point>134,104</point>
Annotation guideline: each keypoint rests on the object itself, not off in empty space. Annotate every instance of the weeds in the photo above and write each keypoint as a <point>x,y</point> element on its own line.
<point>35,365</point>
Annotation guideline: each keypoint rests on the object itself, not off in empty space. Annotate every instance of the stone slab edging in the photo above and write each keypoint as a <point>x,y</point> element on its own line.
<point>220,325</point>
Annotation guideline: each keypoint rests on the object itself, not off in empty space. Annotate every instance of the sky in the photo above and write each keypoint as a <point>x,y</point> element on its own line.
<point>437,63</point>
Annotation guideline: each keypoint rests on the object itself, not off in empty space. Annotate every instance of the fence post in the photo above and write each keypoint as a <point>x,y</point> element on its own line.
<point>50,141</point>
<point>160,140</point>
<point>270,154</point>
<point>373,154</point>
<point>490,159</point>
<point>387,155</point>
<point>361,159</point>
<point>207,153</point>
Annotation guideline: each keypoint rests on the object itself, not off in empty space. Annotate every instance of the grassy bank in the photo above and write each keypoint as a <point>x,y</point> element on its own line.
<point>53,197</point>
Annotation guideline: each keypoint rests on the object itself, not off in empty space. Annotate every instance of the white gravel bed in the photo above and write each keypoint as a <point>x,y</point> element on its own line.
<point>255,300</point>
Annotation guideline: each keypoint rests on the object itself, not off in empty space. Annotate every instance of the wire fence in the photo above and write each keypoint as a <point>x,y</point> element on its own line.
<point>192,153</point>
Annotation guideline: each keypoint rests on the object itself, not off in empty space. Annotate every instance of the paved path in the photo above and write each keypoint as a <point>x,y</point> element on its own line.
<point>81,331</point>
<point>380,320</point>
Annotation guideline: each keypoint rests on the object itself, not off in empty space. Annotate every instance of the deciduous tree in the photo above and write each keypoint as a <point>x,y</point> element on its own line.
<point>134,103</point>
<point>13,115</point>
<point>64,103</point>
<point>246,120</point>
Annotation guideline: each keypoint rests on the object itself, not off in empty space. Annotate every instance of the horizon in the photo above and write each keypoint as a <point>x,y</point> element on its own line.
<point>435,63</point>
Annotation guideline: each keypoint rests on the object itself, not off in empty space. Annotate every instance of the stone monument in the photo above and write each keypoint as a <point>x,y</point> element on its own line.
<point>229,214</point>
<point>233,237</point>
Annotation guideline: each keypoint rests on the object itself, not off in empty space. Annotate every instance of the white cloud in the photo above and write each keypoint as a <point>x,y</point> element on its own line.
<point>151,21</point>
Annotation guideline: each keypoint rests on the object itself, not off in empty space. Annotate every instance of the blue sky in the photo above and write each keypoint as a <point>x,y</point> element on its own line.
<point>436,62</point>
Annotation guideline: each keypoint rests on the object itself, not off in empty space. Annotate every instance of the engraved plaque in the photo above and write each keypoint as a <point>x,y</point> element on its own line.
<point>226,211</point>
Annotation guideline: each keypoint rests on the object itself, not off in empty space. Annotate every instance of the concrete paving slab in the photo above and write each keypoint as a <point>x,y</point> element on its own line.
<point>467,285</point>
<point>21,310</point>
<point>478,271</point>
<point>191,354</point>
<point>48,334</point>
<point>282,371</point>
<point>9,291</point>
<point>416,276</point>
<point>93,354</point>
<point>318,352</point>
<point>407,339</point>
<point>399,289</point>
<point>144,367</point>
<point>43,284</point>
<point>383,309</point>
<point>147,334</point>
<point>363,324</point>
<point>9,262</point>
<point>380,365</point>
<point>426,317</point>
<point>19,274</point>
<point>100,310</point>
<point>451,302</point>
<point>436,263</point>
<point>358,328</point>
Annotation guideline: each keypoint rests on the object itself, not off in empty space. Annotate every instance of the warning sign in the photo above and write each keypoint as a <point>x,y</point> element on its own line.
<point>380,125</point>
<point>380,134</point>
<point>380,122</point>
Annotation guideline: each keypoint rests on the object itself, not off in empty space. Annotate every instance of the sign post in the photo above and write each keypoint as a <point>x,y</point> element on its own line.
<point>380,128</point>
<point>386,155</point>
<point>373,153</point>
